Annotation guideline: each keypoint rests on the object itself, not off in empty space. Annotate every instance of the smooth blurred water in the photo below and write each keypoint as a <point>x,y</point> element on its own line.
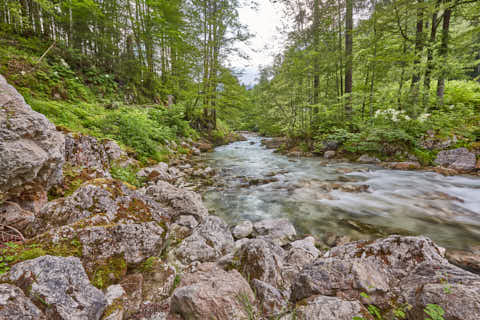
<point>447,209</point>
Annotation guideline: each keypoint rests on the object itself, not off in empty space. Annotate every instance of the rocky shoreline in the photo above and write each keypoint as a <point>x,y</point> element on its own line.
<point>448,162</point>
<point>105,249</point>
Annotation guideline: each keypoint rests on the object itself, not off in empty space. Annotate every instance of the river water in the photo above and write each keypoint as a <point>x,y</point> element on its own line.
<point>360,201</point>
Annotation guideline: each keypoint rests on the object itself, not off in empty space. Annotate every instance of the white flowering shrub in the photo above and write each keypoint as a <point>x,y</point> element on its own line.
<point>392,115</point>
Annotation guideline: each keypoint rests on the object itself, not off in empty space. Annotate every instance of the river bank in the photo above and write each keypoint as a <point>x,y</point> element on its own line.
<point>105,249</point>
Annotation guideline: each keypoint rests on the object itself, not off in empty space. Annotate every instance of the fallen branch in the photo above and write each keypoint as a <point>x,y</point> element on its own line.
<point>8,236</point>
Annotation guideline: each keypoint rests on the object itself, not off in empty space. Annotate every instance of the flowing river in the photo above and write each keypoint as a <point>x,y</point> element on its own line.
<point>360,201</point>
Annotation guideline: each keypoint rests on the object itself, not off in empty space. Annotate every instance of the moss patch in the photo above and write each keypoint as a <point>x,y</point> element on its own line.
<point>109,272</point>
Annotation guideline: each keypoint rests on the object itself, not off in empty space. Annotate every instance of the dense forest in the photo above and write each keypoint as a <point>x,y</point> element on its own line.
<point>371,73</point>
<point>146,49</point>
<point>364,73</point>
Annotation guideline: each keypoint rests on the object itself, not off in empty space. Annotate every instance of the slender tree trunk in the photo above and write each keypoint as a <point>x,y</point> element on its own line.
<point>419,44</point>
<point>349,59</point>
<point>431,44</point>
<point>443,54</point>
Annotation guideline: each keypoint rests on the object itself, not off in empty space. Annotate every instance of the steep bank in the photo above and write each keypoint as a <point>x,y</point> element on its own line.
<point>110,250</point>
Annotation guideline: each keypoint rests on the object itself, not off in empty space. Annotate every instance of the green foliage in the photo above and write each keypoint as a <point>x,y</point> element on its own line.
<point>434,311</point>
<point>144,130</point>
<point>128,175</point>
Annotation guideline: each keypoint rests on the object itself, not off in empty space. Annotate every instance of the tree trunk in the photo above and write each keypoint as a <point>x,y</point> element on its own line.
<point>443,54</point>
<point>349,59</point>
<point>419,44</point>
<point>431,44</point>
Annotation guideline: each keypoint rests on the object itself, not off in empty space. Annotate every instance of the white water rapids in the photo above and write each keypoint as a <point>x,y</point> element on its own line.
<point>317,196</point>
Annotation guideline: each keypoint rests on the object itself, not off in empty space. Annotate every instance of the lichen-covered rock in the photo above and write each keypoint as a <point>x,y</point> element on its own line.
<point>133,286</point>
<point>280,231</point>
<point>455,290</point>
<point>89,152</point>
<point>301,253</point>
<point>106,250</point>
<point>187,221</point>
<point>263,260</point>
<point>210,292</point>
<point>14,305</point>
<point>31,150</point>
<point>346,278</point>
<point>134,242</point>
<point>112,200</point>
<point>243,229</point>
<point>209,241</point>
<point>328,308</point>
<point>159,281</point>
<point>116,298</point>
<point>408,269</point>
<point>270,300</point>
<point>159,172</point>
<point>11,214</point>
<point>61,286</point>
<point>458,159</point>
<point>182,201</point>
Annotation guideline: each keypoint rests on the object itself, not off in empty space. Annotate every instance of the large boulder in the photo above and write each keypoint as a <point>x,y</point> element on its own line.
<point>110,200</point>
<point>262,260</point>
<point>374,268</point>
<point>31,150</point>
<point>280,231</point>
<point>457,159</point>
<point>210,292</point>
<point>409,270</point>
<point>14,305</point>
<point>61,286</point>
<point>328,308</point>
<point>182,201</point>
<point>209,241</point>
<point>455,290</point>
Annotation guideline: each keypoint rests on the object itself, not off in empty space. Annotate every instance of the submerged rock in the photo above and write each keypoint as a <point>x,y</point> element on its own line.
<point>61,286</point>
<point>31,150</point>
<point>408,165</point>
<point>329,154</point>
<point>212,293</point>
<point>368,159</point>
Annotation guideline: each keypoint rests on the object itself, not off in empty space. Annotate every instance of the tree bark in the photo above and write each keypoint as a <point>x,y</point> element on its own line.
<point>443,54</point>
<point>419,44</point>
<point>431,43</point>
<point>349,59</point>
